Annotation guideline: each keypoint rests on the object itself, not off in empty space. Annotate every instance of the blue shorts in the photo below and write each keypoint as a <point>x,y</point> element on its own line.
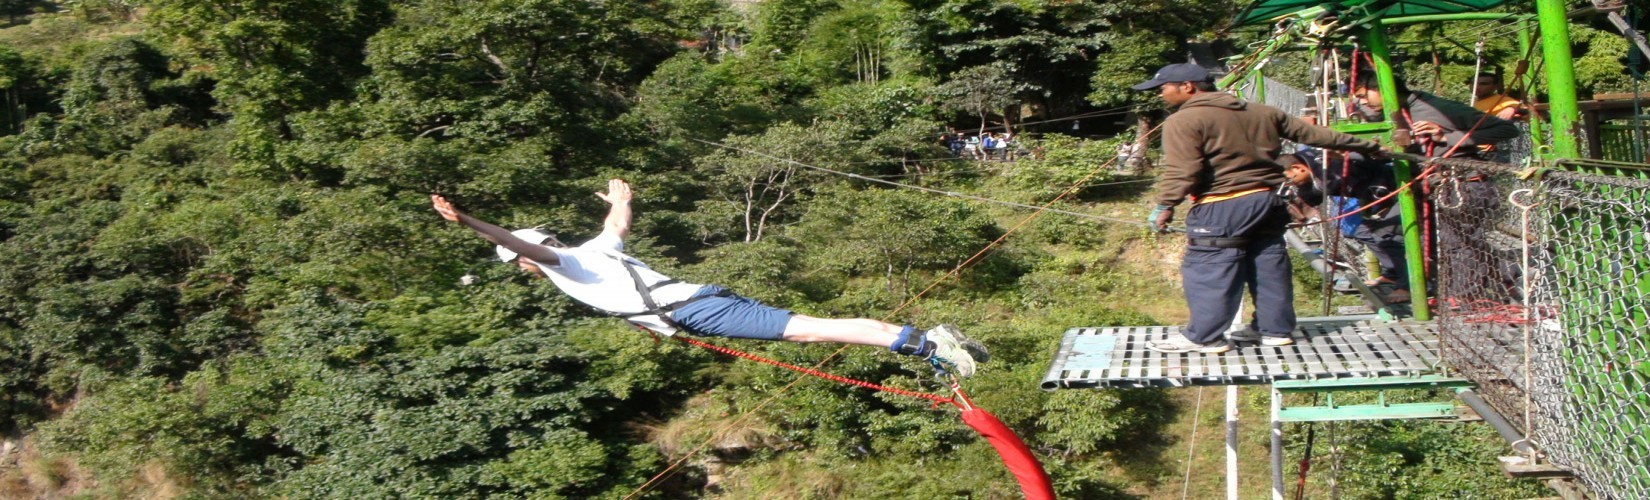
<point>731,316</point>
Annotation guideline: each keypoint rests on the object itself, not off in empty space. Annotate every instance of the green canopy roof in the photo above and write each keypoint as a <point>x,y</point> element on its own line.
<point>1263,11</point>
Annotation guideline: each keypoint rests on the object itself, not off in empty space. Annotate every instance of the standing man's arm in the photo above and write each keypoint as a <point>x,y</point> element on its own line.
<point>1182,160</point>
<point>1298,130</point>
<point>618,217</point>
<point>497,235</point>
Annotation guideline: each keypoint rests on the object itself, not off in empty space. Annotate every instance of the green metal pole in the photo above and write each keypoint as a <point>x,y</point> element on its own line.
<point>1561,79</point>
<point>1400,169</point>
<point>1256,60</point>
<point>1526,38</point>
<point>1460,16</point>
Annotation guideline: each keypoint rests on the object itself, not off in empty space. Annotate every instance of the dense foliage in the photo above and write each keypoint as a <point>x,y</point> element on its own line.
<point>221,277</point>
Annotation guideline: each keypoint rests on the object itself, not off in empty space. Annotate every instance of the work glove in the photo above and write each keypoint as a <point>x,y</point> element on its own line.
<point>1161,217</point>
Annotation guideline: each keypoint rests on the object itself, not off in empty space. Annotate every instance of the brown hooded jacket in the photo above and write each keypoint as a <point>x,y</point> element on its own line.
<point>1217,144</point>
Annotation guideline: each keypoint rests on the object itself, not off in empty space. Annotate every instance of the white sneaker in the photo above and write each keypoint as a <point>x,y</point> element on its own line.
<point>953,351</point>
<point>1270,341</point>
<point>1179,343</point>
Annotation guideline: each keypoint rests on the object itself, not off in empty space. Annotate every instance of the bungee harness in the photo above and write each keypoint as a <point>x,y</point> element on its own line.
<point>652,306</point>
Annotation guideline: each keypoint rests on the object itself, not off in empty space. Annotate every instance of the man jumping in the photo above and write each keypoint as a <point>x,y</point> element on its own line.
<point>598,274</point>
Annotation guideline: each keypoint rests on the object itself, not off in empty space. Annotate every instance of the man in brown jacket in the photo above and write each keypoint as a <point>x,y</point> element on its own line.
<point>1221,153</point>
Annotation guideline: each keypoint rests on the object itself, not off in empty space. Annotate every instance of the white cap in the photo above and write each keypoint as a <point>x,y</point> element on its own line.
<point>533,236</point>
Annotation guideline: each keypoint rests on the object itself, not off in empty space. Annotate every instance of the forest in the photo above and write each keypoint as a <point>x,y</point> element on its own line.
<point>220,275</point>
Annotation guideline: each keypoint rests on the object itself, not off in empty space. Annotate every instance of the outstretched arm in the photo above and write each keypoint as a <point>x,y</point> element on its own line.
<point>497,235</point>
<point>618,217</point>
<point>1300,131</point>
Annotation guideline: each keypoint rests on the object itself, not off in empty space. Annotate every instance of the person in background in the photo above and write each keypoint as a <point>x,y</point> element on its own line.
<point>1299,189</point>
<point>1351,182</point>
<point>1435,125</point>
<point>1489,97</point>
<point>598,274</point>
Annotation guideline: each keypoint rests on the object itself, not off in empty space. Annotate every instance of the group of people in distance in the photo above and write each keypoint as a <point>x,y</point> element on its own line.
<point>984,146</point>
<point>1222,154</point>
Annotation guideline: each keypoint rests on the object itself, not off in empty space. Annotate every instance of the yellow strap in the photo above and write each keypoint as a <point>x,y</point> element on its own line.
<point>1211,198</point>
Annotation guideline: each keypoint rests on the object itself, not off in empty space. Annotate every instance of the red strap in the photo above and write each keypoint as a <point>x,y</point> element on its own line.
<point>1034,483</point>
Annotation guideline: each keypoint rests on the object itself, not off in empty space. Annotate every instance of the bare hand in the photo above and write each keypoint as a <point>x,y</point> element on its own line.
<point>1401,138</point>
<point>1428,131</point>
<point>618,191</point>
<point>444,207</point>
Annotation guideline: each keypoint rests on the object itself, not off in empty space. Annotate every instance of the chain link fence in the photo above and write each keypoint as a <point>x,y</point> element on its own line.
<point>1542,286</point>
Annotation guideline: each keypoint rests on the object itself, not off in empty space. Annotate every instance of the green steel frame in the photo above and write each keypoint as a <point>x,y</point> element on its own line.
<point>1561,152</point>
<point>1381,410</point>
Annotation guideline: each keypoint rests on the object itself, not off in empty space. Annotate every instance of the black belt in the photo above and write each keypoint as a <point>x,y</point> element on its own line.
<point>1218,242</point>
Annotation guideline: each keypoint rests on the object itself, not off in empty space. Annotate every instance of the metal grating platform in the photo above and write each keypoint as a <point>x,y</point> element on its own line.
<point>1333,347</point>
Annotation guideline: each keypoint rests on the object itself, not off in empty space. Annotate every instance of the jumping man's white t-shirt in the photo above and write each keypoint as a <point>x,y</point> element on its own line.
<point>592,273</point>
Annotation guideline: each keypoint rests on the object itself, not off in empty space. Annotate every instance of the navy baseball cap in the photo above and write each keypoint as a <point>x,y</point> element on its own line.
<point>1183,72</point>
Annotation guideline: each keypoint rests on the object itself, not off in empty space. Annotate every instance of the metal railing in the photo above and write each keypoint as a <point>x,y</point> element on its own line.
<point>1543,288</point>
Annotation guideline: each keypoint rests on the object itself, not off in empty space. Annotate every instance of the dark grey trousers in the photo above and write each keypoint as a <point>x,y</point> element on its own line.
<point>1214,277</point>
<point>1384,237</point>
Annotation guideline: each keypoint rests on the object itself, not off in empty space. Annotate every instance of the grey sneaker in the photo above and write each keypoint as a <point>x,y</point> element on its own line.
<point>1247,334</point>
<point>955,352</point>
<point>1250,335</point>
<point>1179,343</point>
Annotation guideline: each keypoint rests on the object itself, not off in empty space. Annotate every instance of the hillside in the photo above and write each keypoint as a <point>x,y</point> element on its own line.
<point>221,276</point>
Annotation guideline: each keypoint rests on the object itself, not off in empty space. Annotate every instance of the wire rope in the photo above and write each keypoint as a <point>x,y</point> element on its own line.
<point>1191,446</point>
<point>954,194</point>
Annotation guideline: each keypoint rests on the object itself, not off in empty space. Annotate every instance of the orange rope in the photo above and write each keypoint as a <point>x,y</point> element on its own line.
<point>827,376</point>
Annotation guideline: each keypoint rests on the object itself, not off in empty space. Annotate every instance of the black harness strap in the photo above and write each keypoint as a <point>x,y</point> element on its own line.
<point>913,344</point>
<point>653,308</point>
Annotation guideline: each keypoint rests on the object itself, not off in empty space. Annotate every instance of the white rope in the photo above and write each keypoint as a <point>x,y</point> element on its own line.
<point>1191,449</point>
<point>1477,69</point>
<point>1529,316</point>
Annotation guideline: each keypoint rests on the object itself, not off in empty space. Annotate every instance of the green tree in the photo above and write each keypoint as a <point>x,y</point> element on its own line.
<point>757,181</point>
<point>892,233</point>
<point>1141,36</point>
<point>104,10</point>
<point>860,42</point>
<point>272,59</point>
<point>982,91</point>
<point>782,25</point>
<point>13,9</point>
<point>15,74</point>
<point>113,99</point>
